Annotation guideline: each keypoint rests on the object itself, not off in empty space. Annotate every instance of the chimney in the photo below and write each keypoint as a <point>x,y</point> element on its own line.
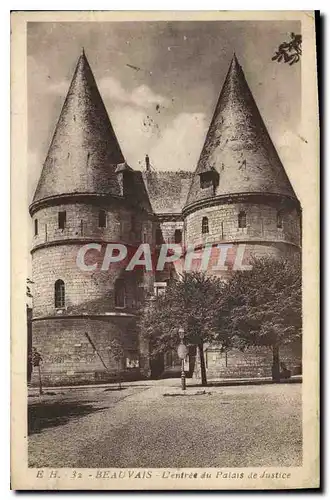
<point>147,163</point>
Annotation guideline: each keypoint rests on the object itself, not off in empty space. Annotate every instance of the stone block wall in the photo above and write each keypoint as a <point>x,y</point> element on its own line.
<point>254,362</point>
<point>82,222</point>
<point>168,230</point>
<point>69,358</point>
<point>261,224</point>
<point>88,289</point>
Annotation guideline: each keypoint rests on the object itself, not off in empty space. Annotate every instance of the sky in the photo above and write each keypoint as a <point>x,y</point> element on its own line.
<point>164,107</point>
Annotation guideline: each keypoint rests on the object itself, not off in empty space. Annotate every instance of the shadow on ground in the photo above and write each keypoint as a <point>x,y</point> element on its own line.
<point>52,414</point>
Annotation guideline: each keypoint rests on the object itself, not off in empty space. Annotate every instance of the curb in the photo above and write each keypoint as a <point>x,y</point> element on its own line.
<point>32,391</point>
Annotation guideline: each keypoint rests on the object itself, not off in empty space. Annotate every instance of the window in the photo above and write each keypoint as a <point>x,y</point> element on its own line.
<point>35,227</point>
<point>209,179</point>
<point>159,236</point>
<point>132,361</point>
<point>61,220</point>
<point>120,294</point>
<point>102,218</point>
<point>206,180</point>
<point>159,288</point>
<point>205,225</point>
<point>59,294</point>
<point>177,236</point>
<point>242,219</point>
<point>279,220</point>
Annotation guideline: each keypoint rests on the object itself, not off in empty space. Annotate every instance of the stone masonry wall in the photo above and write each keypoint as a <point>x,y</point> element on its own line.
<point>82,222</point>
<point>252,363</point>
<point>261,224</point>
<point>69,358</point>
<point>92,291</point>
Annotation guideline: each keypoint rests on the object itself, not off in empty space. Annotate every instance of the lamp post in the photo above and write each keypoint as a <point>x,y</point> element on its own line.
<point>182,353</point>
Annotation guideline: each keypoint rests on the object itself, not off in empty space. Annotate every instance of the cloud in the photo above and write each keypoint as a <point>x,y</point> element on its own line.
<point>133,137</point>
<point>141,96</point>
<point>181,143</point>
<point>34,162</point>
<point>176,146</point>
<point>58,88</point>
<point>144,97</point>
<point>112,89</point>
<point>290,145</point>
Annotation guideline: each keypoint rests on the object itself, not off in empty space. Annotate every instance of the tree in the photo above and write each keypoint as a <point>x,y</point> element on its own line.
<point>29,328</point>
<point>36,359</point>
<point>263,306</point>
<point>28,288</point>
<point>289,52</point>
<point>191,301</point>
<point>116,351</point>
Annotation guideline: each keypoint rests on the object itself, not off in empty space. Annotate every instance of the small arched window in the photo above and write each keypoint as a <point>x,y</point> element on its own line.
<point>205,225</point>
<point>279,221</point>
<point>120,293</point>
<point>102,218</point>
<point>35,227</point>
<point>177,236</point>
<point>242,219</point>
<point>59,294</point>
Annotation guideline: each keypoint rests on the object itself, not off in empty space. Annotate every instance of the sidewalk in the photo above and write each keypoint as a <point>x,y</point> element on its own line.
<point>171,382</point>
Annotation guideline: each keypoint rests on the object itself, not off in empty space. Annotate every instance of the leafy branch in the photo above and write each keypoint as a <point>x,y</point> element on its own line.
<point>289,52</point>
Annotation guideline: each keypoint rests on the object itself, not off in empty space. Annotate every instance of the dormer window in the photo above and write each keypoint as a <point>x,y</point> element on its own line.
<point>61,220</point>
<point>209,179</point>
<point>279,221</point>
<point>206,181</point>
<point>102,218</point>
<point>242,219</point>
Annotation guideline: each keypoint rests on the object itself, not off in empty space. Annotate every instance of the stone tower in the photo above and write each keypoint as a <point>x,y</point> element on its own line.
<point>240,193</point>
<point>241,197</point>
<point>84,195</point>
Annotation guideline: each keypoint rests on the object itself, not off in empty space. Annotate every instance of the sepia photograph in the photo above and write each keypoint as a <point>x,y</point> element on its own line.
<point>168,182</point>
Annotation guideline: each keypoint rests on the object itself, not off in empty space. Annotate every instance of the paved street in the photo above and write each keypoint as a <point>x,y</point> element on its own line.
<point>140,427</point>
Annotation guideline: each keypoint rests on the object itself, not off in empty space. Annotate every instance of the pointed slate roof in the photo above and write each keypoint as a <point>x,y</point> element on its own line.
<point>84,151</point>
<point>238,146</point>
<point>167,190</point>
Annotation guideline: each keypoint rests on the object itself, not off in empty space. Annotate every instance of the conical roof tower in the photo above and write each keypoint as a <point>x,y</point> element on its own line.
<point>84,151</point>
<point>237,148</point>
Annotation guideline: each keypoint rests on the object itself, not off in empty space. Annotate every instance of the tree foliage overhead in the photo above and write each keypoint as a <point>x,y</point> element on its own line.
<point>28,288</point>
<point>263,306</point>
<point>289,52</point>
<point>191,302</point>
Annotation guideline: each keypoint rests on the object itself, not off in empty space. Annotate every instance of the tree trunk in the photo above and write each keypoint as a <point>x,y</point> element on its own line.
<point>202,363</point>
<point>119,376</point>
<point>40,382</point>
<point>276,363</point>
